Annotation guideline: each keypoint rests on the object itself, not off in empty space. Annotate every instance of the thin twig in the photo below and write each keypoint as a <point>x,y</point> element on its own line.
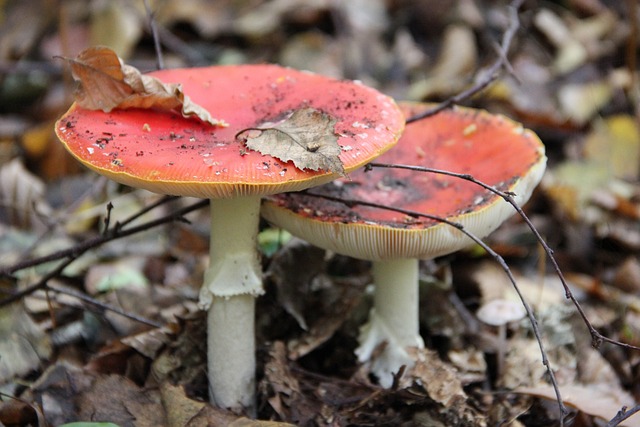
<point>75,251</point>
<point>622,415</point>
<point>102,305</point>
<point>154,33</point>
<point>107,218</point>
<point>40,284</point>
<point>490,75</point>
<point>144,210</point>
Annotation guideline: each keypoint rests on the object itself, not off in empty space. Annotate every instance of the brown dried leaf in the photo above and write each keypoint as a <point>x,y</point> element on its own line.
<point>107,83</point>
<point>307,138</point>
<point>213,416</point>
<point>178,407</point>
<point>23,344</point>
<point>120,401</point>
<point>439,379</point>
<point>600,400</point>
<point>285,394</point>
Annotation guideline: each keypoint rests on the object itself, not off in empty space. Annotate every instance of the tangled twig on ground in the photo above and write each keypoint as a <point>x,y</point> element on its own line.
<point>71,254</point>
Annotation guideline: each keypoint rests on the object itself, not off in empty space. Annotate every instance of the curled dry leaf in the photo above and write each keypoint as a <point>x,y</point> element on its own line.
<point>107,83</point>
<point>307,138</point>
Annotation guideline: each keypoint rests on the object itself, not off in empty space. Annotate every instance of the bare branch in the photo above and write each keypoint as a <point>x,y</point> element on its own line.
<point>492,73</point>
<point>622,415</point>
<point>115,233</point>
<point>102,305</point>
<point>154,32</point>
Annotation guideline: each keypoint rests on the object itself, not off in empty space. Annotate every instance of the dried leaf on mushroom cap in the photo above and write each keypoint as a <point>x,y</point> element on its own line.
<point>107,83</point>
<point>306,137</point>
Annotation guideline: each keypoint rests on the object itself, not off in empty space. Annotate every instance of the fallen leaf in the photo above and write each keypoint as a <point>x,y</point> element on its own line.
<point>285,394</point>
<point>213,416</point>
<point>22,197</point>
<point>117,24</point>
<point>17,411</point>
<point>23,344</point>
<point>119,400</point>
<point>293,270</point>
<point>439,379</point>
<point>89,424</point>
<point>307,138</point>
<point>614,143</point>
<point>107,83</point>
<point>581,101</point>
<point>600,400</point>
<point>458,58</point>
<point>178,407</point>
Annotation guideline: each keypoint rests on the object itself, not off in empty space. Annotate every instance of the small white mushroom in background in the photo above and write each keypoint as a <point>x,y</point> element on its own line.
<point>500,313</point>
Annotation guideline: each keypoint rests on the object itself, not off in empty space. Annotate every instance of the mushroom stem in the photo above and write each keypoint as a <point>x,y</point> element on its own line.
<point>393,319</point>
<point>500,351</point>
<point>232,282</point>
<point>231,355</point>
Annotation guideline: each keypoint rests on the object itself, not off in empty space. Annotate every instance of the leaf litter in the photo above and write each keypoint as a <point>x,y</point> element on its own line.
<point>553,85</point>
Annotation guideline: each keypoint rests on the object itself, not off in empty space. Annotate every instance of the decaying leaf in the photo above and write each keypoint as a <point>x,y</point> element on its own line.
<point>307,138</point>
<point>600,400</point>
<point>178,407</point>
<point>117,399</point>
<point>23,344</point>
<point>107,83</point>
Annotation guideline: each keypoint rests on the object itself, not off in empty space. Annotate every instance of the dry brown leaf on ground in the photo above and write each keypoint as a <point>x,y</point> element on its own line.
<point>439,379</point>
<point>22,198</point>
<point>600,400</point>
<point>293,269</point>
<point>179,408</point>
<point>286,394</point>
<point>117,399</point>
<point>23,344</point>
<point>69,393</point>
<point>307,138</point>
<point>212,416</point>
<point>107,83</point>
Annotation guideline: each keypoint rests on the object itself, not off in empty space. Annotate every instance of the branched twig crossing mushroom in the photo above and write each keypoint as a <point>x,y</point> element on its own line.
<point>596,337</point>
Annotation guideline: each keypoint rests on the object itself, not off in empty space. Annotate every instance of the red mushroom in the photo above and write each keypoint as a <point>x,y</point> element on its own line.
<point>491,148</point>
<point>169,154</point>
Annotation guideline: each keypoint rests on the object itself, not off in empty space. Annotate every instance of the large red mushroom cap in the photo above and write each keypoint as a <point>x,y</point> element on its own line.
<point>491,148</point>
<point>169,154</point>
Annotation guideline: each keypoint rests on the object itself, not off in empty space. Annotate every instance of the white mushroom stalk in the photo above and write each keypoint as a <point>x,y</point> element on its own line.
<point>393,320</point>
<point>231,283</point>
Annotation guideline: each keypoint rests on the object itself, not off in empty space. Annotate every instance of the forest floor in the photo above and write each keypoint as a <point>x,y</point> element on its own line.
<point>115,334</point>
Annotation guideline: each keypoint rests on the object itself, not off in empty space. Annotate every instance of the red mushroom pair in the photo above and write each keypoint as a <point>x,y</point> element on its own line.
<point>493,149</point>
<point>169,154</point>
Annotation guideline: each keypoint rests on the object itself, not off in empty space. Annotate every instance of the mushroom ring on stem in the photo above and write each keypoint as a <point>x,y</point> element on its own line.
<point>169,154</point>
<point>491,148</point>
